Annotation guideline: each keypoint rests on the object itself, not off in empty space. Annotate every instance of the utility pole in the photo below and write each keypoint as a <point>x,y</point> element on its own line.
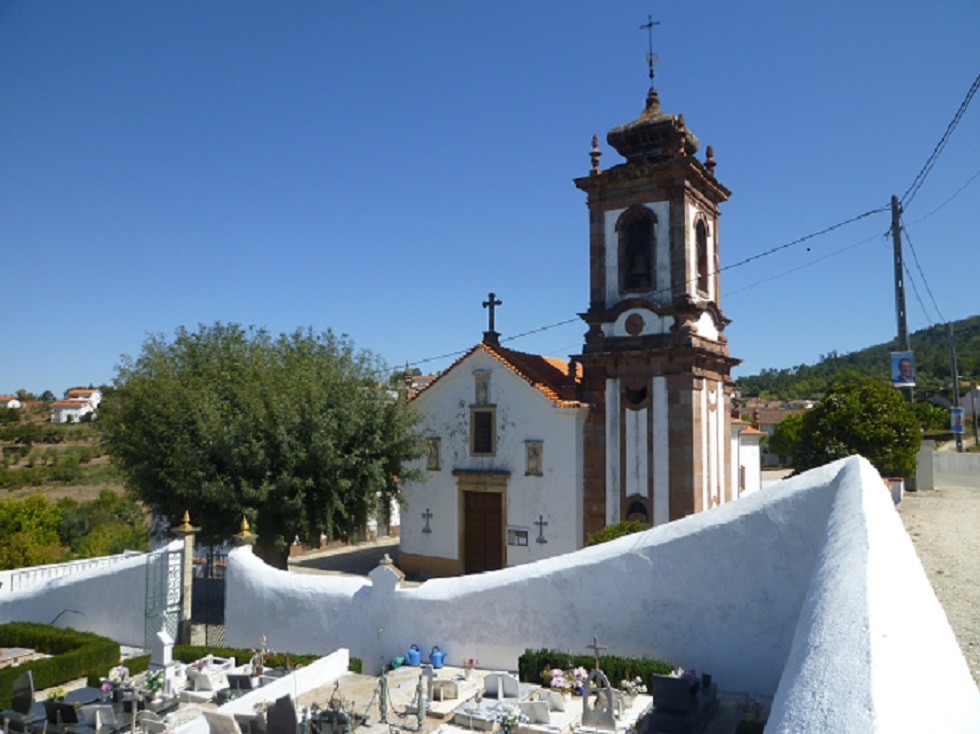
<point>903,327</point>
<point>956,382</point>
<point>973,410</point>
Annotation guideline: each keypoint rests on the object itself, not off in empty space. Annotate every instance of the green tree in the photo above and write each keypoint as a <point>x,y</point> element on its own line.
<point>298,433</point>
<point>29,533</point>
<point>107,525</point>
<point>931,417</point>
<point>785,439</point>
<point>867,417</point>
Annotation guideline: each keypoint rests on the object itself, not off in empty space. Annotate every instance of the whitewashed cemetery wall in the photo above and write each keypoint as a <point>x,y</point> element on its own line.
<point>809,590</point>
<point>108,599</point>
<point>20,579</point>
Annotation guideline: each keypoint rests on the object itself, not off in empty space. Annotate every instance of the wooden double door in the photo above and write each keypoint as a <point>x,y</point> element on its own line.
<point>483,531</point>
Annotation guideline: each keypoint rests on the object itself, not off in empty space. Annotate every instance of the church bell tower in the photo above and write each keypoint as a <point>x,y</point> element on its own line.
<point>656,362</point>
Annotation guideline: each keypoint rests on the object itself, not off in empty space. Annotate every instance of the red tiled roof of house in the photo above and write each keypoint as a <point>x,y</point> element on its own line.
<point>81,391</point>
<point>6,398</point>
<point>775,415</point>
<point>548,375</point>
<point>69,403</point>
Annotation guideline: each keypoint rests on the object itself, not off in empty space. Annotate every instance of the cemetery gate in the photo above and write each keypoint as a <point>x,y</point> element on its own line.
<point>208,601</point>
<point>164,593</point>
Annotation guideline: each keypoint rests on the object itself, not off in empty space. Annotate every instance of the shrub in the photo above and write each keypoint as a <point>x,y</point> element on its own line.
<point>75,655</point>
<point>617,530</point>
<point>531,664</point>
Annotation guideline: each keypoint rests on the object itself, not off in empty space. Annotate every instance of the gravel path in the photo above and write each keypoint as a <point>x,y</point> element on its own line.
<point>943,524</point>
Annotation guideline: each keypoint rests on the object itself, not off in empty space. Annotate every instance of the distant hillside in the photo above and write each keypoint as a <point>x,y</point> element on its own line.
<point>932,365</point>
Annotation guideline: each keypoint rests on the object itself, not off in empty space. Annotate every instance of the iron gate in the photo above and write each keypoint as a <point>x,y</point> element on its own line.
<point>208,600</point>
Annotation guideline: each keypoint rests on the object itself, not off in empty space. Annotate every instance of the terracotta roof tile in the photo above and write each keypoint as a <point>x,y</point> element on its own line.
<point>548,375</point>
<point>69,403</point>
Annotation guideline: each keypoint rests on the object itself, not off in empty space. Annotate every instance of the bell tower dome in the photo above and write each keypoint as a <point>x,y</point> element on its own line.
<point>655,358</point>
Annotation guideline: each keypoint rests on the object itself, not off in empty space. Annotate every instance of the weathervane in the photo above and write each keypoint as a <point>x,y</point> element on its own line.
<point>652,59</point>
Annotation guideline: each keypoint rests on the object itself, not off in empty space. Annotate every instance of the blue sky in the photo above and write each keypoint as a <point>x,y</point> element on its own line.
<point>378,168</point>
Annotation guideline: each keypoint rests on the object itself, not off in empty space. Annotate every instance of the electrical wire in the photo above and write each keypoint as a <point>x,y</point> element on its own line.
<point>915,256</point>
<point>958,191</point>
<point>664,291</point>
<point>920,178</point>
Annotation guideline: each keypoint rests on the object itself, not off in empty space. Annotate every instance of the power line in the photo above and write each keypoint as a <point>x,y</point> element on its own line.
<point>662,291</point>
<point>958,191</point>
<point>913,189</point>
<point>915,256</point>
<point>805,265</point>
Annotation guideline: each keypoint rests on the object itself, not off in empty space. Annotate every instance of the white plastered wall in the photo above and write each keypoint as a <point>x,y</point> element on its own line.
<point>792,590</point>
<point>523,413</point>
<point>661,453</point>
<point>109,600</point>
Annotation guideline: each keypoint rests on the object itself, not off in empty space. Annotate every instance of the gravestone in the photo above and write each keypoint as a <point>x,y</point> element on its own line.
<point>680,706</point>
<point>162,658</point>
<point>501,685</point>
<point>601,714</point>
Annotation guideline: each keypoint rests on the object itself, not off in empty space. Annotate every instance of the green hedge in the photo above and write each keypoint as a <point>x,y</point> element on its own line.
<point>76,654</point>
<point>533,662</point>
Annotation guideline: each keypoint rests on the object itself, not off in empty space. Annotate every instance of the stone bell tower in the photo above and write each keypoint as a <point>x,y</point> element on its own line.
<point>656,362</point>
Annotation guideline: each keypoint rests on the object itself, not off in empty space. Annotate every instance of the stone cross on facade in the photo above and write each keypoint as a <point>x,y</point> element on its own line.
<point>491,336</point>
<point>427,515</point>
<point>542,524</point>
<point>596,647</point>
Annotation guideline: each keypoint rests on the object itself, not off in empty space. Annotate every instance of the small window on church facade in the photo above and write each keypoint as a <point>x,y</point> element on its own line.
<point>516,537</point>
<point>483,431</point>
<point>534,451</point>
<point>433,462</point>
<point>637,250</point>
<point>482,384</point>
<point>701,236</point>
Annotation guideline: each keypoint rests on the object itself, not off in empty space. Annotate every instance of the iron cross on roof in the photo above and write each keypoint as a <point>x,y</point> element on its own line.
<point>490,336</point>
<point>651,56</point>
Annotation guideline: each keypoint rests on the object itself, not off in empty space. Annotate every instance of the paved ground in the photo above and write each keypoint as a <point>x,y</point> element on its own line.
<point>355,559</point>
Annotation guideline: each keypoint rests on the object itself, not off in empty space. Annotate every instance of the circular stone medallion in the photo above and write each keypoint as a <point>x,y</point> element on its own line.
<point>634,324</point>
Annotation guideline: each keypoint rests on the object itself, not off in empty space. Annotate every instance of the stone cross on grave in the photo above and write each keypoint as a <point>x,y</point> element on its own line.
<point>596,647</point>
<point>542,524</point>
<point>427,515</point>
<point>491,336</point>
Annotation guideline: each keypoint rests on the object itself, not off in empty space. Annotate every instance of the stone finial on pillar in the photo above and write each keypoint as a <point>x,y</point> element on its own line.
<point>244,538</point>
<point>595,155</point>
<point>187,532</point>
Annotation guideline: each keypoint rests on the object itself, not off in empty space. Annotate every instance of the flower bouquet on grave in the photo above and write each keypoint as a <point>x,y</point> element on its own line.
<point>112,684</point>
<point>509,717</point>
<point>153,683</point>
<point>632,687</point>
<point>468,665</point>
<point>56,694</point>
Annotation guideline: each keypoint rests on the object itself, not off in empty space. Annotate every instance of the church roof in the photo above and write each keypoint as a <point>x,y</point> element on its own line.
<point>548,375</point>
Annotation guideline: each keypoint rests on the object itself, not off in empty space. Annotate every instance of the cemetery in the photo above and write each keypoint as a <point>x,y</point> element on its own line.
<point>802,605</point>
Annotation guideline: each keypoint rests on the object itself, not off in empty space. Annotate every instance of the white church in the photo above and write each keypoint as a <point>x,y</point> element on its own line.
<point>529,455</point>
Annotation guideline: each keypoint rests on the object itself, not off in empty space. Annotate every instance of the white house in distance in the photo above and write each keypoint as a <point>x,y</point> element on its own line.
<point>530,455</point>
<point>10,401</point>
<point>77,404</point>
